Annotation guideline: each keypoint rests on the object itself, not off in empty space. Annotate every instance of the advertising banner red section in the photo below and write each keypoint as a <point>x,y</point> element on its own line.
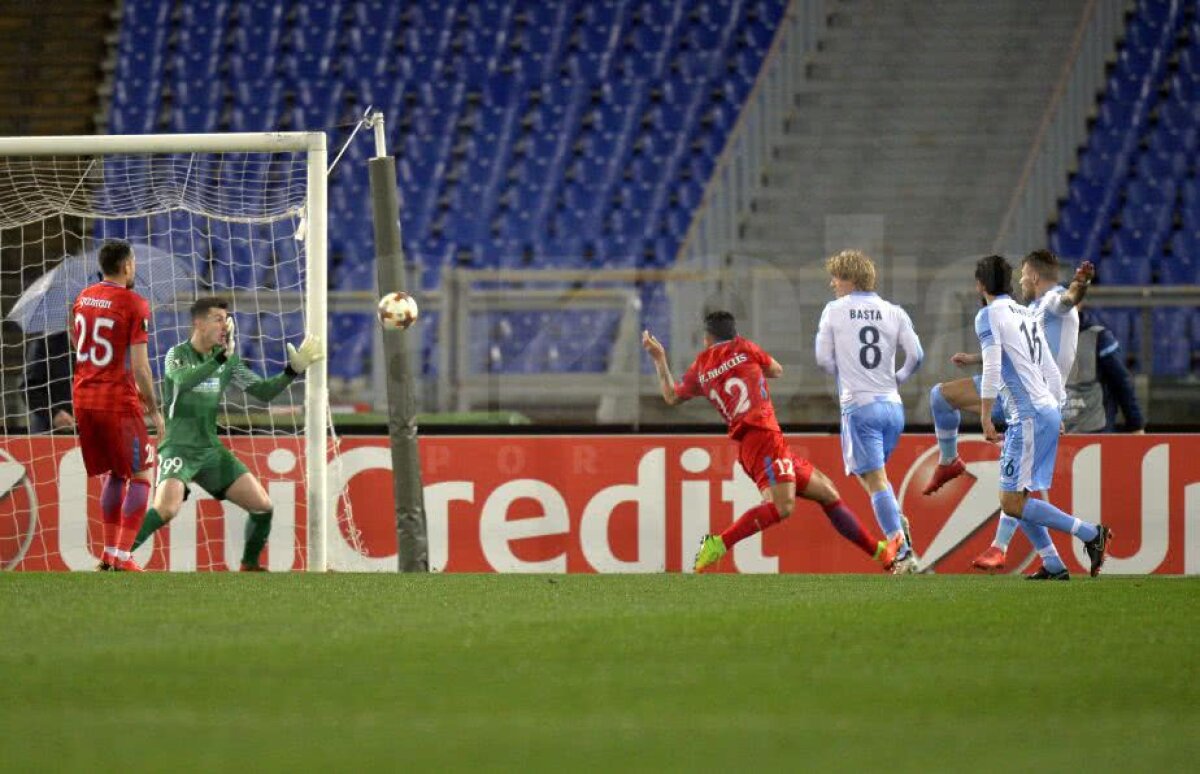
<point>609,504</point>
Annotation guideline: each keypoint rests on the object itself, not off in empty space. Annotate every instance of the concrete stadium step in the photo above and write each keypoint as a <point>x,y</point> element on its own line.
<point>801,147</point>
<point>955,106</point>
<point>52,49</point>
<point>921,113</point>
<point>910,121</point>
<point>783,211</point>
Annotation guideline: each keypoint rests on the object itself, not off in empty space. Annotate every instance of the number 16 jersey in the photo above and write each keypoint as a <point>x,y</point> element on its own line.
<point>730,374</point>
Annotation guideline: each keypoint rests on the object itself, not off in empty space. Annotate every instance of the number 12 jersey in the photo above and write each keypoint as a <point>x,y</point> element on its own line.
<point>730,374</point>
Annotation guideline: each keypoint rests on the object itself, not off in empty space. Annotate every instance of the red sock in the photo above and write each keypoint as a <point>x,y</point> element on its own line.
<point>849,527</point>
<point>112,493</point>
<point>132,512</point>
<point>752,521</point>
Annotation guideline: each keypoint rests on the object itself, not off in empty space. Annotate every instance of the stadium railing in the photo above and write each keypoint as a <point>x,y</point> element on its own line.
<point>738,175</point>
<point>1063,128</point>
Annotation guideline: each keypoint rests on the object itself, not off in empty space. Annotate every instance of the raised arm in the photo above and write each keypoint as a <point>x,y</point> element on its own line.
<point>310,351</point>
<point>911,344</point>
<point>252,384</point>
<point>658,355</point>
<point>1074,295</point>
<point>185,377</point>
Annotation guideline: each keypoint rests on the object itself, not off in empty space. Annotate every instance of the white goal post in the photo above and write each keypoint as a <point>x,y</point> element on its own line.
<point>315,218</point>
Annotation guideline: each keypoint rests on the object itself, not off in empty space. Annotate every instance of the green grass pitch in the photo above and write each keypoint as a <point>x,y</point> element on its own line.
<point>350,672</point>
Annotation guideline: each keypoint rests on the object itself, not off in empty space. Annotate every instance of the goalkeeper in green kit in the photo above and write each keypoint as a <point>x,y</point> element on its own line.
<point>197,373</point>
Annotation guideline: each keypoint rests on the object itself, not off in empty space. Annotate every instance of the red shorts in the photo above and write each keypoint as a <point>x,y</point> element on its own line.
<point>114,442</point>
<point>766,458</point>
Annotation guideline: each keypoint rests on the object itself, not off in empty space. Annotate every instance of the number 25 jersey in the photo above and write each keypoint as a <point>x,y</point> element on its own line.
<point>105,320</point>
<point>730,374</point>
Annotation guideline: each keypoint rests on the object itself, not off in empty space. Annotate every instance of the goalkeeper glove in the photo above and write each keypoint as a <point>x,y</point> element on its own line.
<point>310,351</point>
<point>230,340</point>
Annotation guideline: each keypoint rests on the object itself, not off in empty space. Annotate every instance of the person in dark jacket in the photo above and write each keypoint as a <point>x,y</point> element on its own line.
<point>48,383</point>
<point>1100,383</point>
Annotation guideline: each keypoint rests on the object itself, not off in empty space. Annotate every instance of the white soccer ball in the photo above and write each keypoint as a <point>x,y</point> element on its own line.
<point>397,311</point>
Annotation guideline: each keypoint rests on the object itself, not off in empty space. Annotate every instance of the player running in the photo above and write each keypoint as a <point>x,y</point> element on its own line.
<point>197,373</point>
<point>1058,315</point>
<point>108,322</point>
<point>1015,359</point>
<point>857,340</point>
<point>732,373</point>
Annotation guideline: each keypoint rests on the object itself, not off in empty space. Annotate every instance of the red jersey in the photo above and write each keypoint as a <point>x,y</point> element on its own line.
<point>730,374</point>
<point>106,319</point>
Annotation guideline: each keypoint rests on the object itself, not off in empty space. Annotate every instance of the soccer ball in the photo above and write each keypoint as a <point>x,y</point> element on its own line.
<point>398,311</point>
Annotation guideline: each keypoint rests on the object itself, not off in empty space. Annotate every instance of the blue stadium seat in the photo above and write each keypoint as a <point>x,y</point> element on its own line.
<point>253,70</point>
<point>1163,163</point>
<point>1129,269</point>
<point>1182,267</point>
<point>1149,190</point>
<point>167,328</point>
<point>618,157</point>
<point>352,331</point>
<point>249,342</point>
<point>1172,345</point>
<point>1068,244</point>
<point>262,21</point>
<point>1189,60</point>
<point>353,276</point>
<point>275,331</point>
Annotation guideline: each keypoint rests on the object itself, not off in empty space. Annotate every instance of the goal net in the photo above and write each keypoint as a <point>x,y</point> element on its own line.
<point>241,217</point>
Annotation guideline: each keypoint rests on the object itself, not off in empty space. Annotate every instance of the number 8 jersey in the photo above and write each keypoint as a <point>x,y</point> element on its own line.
<point>857,340</point>
<point>105,320</point>
<point>730,375</point>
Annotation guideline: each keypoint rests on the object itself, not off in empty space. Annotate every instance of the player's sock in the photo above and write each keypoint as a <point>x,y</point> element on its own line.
<point>946,420</point>
<point>1040,537</point>
<point>849,527</point>
<point>111,496</point>
<point>258,529</point>
<point>151,524</point>
<point>752,521</point>
<point>887,515</point>
<point>1045,514</point>
<point>132,512</point>
<point>1004,532</point>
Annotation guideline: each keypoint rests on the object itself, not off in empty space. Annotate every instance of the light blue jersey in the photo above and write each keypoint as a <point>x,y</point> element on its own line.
<point>1060,324</point>
<point>1016,358</point>
<point>858,338</point>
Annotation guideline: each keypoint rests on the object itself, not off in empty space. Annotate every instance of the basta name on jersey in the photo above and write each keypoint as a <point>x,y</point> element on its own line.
<point>725,367</point>
<point>866,314</point>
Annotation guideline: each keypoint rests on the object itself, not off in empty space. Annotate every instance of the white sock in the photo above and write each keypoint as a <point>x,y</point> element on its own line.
<point>110,550</point>
<point>124,556</point>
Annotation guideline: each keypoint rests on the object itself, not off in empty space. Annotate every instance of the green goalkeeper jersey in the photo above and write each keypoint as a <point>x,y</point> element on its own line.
<point>192,390</point>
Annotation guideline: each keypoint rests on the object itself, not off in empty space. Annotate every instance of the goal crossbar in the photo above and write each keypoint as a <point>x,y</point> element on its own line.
<point>237,142</point>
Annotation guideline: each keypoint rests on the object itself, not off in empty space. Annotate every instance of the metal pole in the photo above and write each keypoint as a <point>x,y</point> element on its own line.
<point>409,495</point>
<point>316,390</point>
